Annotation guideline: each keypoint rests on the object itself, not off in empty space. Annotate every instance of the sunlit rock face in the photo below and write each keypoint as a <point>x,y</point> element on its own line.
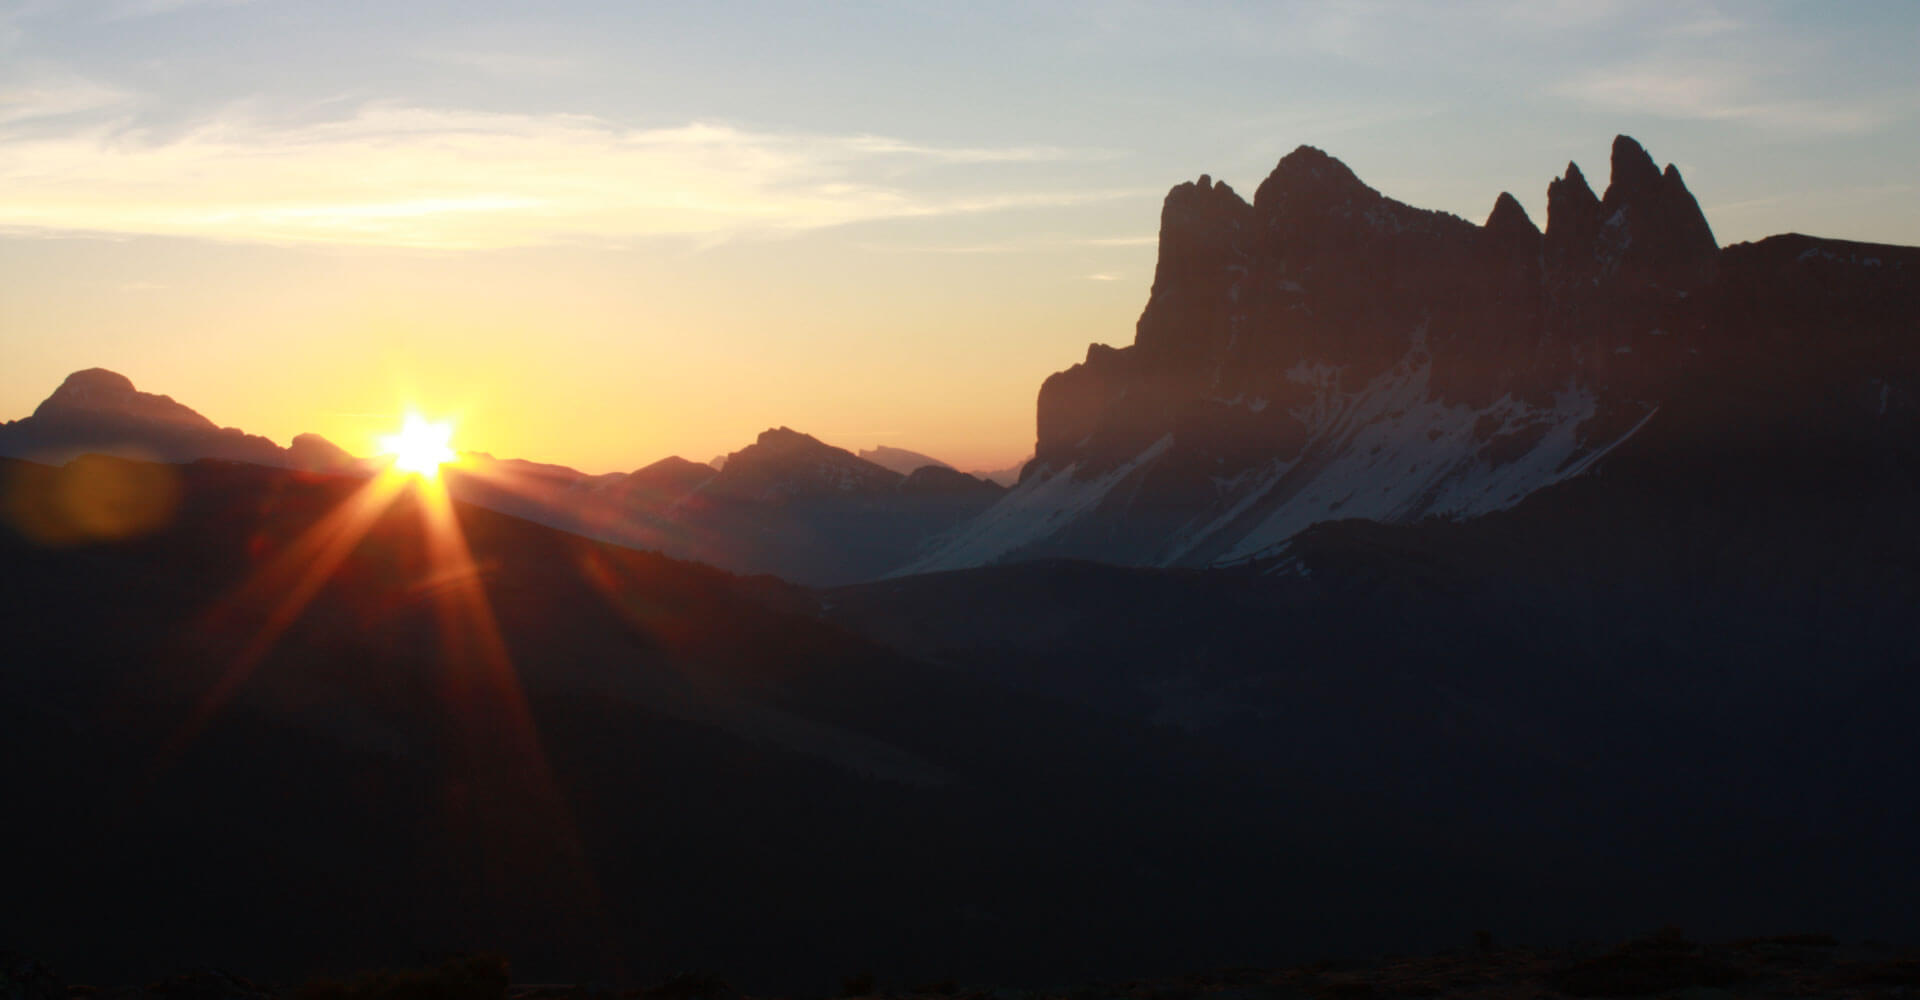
<point>1327,352</point>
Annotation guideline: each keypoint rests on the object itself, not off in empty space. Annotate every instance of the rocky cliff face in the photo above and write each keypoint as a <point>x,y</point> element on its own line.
<point>1326,352</point>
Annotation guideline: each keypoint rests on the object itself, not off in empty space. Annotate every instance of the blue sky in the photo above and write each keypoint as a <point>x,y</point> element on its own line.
<point>953,197</point>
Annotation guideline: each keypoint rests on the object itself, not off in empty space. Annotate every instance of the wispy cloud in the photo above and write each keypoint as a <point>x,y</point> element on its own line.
<point>1042,245</point>
<point>507,64</point>
<point>1103,277</point>
<point>1697,61</point>
<point>127,9</point>
<point>1726,92</point>
<point>434,178</point>
<point>1855,194</point>
<point>33,93</point>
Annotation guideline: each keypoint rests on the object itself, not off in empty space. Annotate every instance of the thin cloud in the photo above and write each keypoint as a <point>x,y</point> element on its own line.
<point>508,65</point>
<point>1718,94</point>
<point>964,248</point>
<point>46,93</point>
<point>881,145</point>
<point>1030,245</point>
<point>131,9</point>
<point>403,176</point>
<point>1102,276</point>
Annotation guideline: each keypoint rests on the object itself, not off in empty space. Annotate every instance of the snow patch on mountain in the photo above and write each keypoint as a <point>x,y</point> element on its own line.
<point>1036,509</point>
<point>1391,451</point>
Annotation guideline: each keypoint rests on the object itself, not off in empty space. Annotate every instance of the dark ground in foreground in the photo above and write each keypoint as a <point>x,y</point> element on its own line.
<point>1661,964</point>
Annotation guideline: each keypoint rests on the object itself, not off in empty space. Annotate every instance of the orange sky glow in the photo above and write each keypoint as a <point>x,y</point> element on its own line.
<point>611,234</point>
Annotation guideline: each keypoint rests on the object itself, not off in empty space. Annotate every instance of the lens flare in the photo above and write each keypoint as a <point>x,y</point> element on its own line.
<point>421,446</point>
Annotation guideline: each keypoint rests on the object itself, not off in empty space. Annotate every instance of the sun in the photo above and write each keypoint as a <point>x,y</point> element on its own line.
<point>421,446</point>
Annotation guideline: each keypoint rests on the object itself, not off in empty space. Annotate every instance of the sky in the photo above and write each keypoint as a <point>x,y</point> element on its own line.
<point>599,234</point>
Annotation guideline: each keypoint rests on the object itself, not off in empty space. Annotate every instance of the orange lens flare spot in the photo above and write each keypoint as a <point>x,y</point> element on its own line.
<point>421,446</point>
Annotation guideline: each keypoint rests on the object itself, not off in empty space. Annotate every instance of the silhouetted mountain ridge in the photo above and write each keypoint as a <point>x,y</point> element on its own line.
<point>788,504</point>
<point>1326,352</point>
<point>900,460</point>
<point>96,410</point>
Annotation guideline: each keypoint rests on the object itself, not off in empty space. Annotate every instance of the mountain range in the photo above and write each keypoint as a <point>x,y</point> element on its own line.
<point>1325,352</point>
<point>1321,353</point>
<point>788,504</point>
<point>1403,577</point>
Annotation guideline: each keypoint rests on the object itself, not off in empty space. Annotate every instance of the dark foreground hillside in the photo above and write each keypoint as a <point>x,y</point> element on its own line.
<point>1663,963</point>
<point>1683,684</point>
<point>1635,698</point>
<point>659,767</point>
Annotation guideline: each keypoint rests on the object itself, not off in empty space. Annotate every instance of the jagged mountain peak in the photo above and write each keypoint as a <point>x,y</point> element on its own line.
<point>1208,186</point>
<point>786,437</point>
<point>785,445</point>
<point>1633,170</point>
<point>1574,179</point>
<point>1509,218</point>
<point>1202,212</point>
<point>783,462</point>
<point>1573,211</point>
<point>1652,229</point>
<point>1351,356</point>
<point>1311,176</point>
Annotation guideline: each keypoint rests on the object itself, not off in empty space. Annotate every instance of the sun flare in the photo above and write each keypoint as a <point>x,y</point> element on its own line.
<point>421,446</point>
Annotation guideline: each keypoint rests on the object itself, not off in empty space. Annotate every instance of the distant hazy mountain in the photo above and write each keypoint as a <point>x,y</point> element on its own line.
<point>794,506</point>
<point>788,504</point>
<point>1324,352</point>
<point>317,454</point>
<point>900,459</point>
<point>1008,476</point>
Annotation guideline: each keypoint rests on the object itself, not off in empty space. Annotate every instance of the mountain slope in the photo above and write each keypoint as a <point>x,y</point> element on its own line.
<point>1689,676</point>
